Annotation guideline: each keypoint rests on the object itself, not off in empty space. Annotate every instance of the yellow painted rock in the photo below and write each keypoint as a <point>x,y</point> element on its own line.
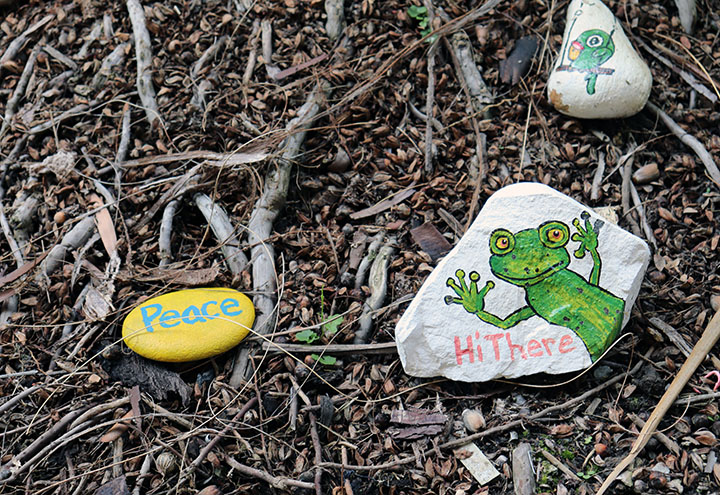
<point>189,325</point>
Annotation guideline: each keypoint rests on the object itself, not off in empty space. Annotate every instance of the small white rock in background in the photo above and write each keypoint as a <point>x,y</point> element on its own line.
<point>598,73</point>
<point>539,283</point>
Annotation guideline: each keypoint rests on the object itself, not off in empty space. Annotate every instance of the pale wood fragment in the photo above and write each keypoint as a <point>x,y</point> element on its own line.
<point>143,54</point>
<point>523,475</point>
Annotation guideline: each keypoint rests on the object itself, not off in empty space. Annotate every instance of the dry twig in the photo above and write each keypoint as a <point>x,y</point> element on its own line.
<point>224,231</point>
<point>378,290</point>
<point>690,141</point>
<point>143,54</point>
<point>260,226</point>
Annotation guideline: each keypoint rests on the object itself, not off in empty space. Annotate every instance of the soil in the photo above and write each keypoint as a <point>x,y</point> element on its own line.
<point>299,425</point>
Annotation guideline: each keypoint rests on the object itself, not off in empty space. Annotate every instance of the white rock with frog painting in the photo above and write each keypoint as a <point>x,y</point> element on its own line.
<point>539,283</point>
<point>598,74</point>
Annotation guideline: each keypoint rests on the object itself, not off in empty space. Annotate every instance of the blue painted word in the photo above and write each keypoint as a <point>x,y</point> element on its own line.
<point>191,315</point>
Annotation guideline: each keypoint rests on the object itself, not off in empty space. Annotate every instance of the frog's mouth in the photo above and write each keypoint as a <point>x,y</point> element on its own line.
<point>535,278</point>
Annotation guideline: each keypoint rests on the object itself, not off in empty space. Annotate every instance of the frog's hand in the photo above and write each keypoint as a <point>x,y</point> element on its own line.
<point>471,299</point>
<point>588,239</point>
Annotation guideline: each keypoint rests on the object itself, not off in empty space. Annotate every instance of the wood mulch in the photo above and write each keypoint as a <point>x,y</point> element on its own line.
<point>91,176</point>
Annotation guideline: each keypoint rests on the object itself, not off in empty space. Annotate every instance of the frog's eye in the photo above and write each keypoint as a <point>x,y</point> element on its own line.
<point>502,241</point>
<point>554,234</point>
<point>594,40</point>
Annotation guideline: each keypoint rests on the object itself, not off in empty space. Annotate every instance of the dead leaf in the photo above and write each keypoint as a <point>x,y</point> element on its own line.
<point>117,429</point>
<point>384,204</point>
<point>431,240</point>
<point>105,225</point>
<point>706,437</point>
<point>562,430</point>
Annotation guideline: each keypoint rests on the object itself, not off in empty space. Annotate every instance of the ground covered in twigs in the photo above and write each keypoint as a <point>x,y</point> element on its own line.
<point>78,137</point>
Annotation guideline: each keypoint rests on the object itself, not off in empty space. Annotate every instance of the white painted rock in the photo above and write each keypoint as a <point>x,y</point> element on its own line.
<point>539,283</point>
<point>598,74</point>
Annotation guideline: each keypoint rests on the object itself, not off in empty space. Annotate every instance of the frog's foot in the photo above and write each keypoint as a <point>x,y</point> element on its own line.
<point>587,236</point>
<point>470,297</point>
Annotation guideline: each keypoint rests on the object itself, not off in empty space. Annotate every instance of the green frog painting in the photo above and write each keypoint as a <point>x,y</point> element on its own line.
<point>537,260</point>
<point>587,52</point>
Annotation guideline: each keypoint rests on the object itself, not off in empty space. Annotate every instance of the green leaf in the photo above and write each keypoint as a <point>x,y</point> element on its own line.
<point>326,360</point>
<point>332,325</point>
<point>423,24</point>
<point>307,336</point>
<point>417,12</point>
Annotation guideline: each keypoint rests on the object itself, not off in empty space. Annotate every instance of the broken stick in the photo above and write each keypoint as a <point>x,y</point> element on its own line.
<point>143,54</point>
<point>260,226</point>
<point>225,232</point>
<point>378,290</point>
<point>690,141</point>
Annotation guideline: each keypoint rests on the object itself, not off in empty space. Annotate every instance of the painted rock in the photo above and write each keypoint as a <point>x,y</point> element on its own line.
<point>598,74</point>
<point>539,283</point>
<point>189,325</point>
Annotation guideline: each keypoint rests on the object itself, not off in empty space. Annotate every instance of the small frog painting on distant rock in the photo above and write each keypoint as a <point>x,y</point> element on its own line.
<point>537,260</point>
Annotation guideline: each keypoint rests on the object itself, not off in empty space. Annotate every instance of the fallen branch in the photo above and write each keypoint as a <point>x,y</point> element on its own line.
<point>224,160</point>
<point>643,218</point>
<point>13,466</point>
<point>662,438</point>
<point>626,195</point>
<point>75,238</point>
<point>60,57</point>
<point>430,91</point>
<point>115,57</point>
<point>94,35</point>
<point>224,231</point>
<point>697,356</point>
<point>690,141</point>
<point>164,250</point>
<point>260,226</point>
<point>378,290</point>
<point>686,11</point>
<point>318,453</point>
<point>480,96</point>
<point>673,335</point>
<point>7,406</point>
<point>560,465</point>
<point>335,24</point>
<point>201,87</point>
<point>597,178</point>
<point>275,482</point>
<point>16,44</point>
<point>181,185</point>
<point>252,56</point>
<point>367,260</point>
<point>143,54</point>
<point>266,38</point>
<point>68,114</point>
<point>689,78</point>
<point>19,92</point>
